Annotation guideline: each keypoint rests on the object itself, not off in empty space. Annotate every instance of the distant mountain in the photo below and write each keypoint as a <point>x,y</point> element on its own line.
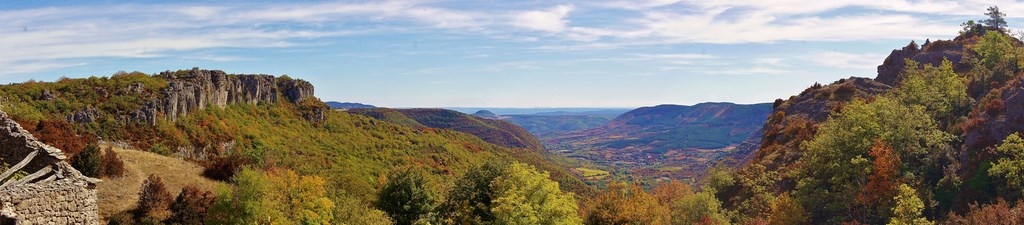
<point>545,125</point>
<point>545,111</point>
<point>349,105</point>
<point>486,114</point>
<point>498,132</point>
<point>669,140</point>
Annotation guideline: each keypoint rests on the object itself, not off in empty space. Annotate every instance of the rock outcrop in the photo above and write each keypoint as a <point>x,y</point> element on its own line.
<point>37,186</point>
<point>196,89</point>
<point>796,120</point>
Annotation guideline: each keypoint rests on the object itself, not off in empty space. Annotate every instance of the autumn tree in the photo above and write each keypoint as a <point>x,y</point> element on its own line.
<point>623,203</point>
<point>786,211</point>
<point>191,206</point>
<point>407,196</point>
<point>671,191</point>
<point>154,199</point>
<point>112,164</point>
<point>527,196</point>
<point>876,196</point>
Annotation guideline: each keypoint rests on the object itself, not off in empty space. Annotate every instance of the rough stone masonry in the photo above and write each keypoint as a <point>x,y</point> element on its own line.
<point>37,186</point>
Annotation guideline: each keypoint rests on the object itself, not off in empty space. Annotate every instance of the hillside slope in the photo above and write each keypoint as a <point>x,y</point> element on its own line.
<point>548,126</point>
<point>936,122</point>
<point>494,131</point>
<point>259,121</point>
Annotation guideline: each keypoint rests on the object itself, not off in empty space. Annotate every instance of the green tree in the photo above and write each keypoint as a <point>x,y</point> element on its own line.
<point>471,201</point>
<point>88,162</point>
<point>697,208</point>
<point>908,208</point>
<point>1011,165</point>
<point>996,19</point>
<point>279,196</point>
<point>407,196</point>
<point>527,196</point>
<point>940,90</point>
<point>835,164</point>
<point>350,211</point>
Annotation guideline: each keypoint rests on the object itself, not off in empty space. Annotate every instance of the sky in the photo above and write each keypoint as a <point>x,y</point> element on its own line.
<point>486,53</point>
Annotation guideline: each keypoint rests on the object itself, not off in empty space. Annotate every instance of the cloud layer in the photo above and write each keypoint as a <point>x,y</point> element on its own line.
<point>34,37</point>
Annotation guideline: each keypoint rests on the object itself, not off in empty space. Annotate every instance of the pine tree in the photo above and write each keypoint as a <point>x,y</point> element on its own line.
<point>996,19</point>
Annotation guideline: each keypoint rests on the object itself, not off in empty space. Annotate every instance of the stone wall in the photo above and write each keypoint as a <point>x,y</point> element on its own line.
<point>52,193</point>
<point>65,201</point>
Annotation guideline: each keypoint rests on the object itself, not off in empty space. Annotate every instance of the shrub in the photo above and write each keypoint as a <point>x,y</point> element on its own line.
<point>154,199</point>
<point>88,162</point>
<point>223,168</point>
<point>112,166</point>
<point>191,206</point>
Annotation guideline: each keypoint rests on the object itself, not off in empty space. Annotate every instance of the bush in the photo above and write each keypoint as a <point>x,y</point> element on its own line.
<point>112,166</point>
<point>154,199</point>
<point>191,206</point>
<point>223,168</point>
<point>88,162</point>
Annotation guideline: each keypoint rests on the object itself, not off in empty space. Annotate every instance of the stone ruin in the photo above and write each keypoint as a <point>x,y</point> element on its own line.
<point>37,186</point>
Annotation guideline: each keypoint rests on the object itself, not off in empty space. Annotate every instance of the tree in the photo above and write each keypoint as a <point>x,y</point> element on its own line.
<point>191,206</point>
<point>996,19</point>
<point>669,192</point>
<point>112,165</point>
<point>1011,165</point>
<point>876,196</point>
<point>471,201</point>
<point>699,208</point>
<point>278,196</point>
<point>786,211</point>
<point>407,196</point>
<point>154,199</point>
<point>908,208</point>
<point>527,196</point>
<point>835,166</point>
<point>939,89</point>
<point>623,203</point>
<point>88,162</point>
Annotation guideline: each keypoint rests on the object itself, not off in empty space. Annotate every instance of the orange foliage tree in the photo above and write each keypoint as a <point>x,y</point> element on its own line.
<point>626,204</point>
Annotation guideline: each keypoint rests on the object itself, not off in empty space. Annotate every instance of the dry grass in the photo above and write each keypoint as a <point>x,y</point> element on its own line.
<point>120,194</point>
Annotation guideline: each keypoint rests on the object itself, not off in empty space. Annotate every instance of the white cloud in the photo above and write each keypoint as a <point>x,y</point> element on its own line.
<point>842,60</point>
<point>551,20</point>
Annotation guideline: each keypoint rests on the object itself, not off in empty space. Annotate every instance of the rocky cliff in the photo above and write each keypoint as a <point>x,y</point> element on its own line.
<point>196,89</point>
<point>795,120</point>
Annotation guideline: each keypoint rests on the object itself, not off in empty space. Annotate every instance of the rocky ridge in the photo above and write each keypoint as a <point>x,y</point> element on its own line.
<point>197,89</point>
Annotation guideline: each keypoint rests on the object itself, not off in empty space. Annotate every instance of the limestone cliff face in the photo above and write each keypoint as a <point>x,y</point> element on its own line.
<point>196,89</point>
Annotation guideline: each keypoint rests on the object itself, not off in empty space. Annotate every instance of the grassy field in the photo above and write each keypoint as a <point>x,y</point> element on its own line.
<point>120,194</point>
<point>592,173</point>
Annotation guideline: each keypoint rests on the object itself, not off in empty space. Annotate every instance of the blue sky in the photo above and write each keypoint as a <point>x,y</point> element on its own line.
<point>486,53</point>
